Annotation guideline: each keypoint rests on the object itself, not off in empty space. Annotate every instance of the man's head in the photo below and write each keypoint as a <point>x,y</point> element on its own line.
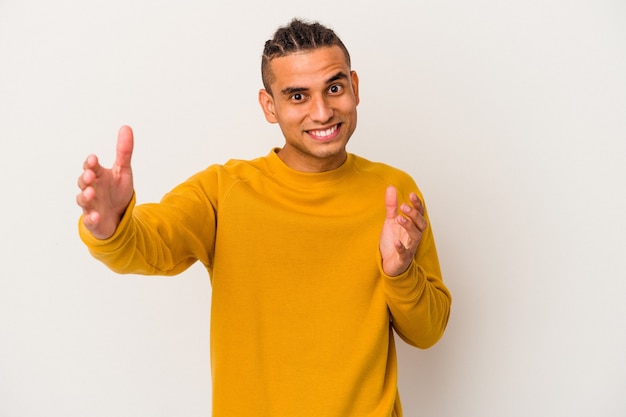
<point>297,36</point>
<point>312,93</point>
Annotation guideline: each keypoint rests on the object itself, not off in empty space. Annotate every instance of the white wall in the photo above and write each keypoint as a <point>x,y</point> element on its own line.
<point>509,114</point>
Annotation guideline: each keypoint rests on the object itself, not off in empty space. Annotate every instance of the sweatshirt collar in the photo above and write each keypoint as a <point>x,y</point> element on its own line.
<point>309,179</point>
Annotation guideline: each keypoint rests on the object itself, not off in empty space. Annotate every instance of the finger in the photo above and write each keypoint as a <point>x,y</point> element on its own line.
<point>93,168</point>
<point>124,149</point>
<point>86,179</point>
<point>416,217</point>
<point>405,254</point>
<point>391,202</point>
<point>400,248</point>
<point>91,219</point>
<point>413,233</point>
<point>85,198</point>
<point>91,162</point>
<point>417,203</point>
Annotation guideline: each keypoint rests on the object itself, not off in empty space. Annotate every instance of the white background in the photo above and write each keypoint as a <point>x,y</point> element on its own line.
<point>511,116</point>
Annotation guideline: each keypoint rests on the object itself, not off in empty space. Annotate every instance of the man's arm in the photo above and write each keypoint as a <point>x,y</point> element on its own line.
<point>151,239</point>
<point>417,298</point>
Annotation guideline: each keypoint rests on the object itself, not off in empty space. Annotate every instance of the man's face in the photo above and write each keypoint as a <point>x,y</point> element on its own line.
<point>314,98</point>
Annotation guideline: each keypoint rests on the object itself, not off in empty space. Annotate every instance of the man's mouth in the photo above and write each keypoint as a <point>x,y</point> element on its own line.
<point>324,134</point>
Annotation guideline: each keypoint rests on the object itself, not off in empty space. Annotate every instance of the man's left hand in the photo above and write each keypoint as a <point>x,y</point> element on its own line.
<point>402,232</point>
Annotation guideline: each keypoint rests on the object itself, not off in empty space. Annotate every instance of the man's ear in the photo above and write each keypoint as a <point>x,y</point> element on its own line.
<point>354,80</point>
<point>267,104</point>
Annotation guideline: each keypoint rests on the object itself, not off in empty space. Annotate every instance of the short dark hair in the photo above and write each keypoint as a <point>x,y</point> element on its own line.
<point>297,36</point>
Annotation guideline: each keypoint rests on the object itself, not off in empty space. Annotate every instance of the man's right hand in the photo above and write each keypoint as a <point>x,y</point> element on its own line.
<point>105,193</point>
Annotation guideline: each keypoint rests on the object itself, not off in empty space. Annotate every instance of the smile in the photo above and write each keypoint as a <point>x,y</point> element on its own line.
<point>329,133</point>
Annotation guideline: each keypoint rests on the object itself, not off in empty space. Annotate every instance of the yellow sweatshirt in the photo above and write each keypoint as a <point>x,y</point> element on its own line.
<point>302,313</point>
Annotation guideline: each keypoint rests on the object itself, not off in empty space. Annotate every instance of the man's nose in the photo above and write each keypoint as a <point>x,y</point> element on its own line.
<point>321,111</point>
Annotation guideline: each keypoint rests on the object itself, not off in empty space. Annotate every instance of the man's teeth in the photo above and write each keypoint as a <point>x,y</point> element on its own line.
<point>324,133</point>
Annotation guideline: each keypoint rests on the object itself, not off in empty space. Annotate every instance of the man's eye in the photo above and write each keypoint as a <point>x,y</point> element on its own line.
<point>334,89</point>
<point>297,97</point>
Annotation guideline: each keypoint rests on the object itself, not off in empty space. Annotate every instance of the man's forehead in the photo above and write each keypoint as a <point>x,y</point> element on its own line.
<point>320,65</point>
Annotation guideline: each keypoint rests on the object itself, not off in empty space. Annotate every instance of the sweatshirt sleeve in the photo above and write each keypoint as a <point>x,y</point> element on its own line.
<point>418,299</point>
<point>160,239</point>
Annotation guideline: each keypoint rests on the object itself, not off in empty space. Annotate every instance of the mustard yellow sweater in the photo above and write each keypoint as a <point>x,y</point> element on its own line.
<point>302,313</point>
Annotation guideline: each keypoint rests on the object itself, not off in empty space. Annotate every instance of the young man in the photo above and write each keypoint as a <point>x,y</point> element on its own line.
<point>313,260</point>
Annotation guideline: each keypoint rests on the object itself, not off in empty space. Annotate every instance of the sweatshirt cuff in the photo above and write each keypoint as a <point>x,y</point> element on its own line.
<point>93,242</point>
<point>406,286</point>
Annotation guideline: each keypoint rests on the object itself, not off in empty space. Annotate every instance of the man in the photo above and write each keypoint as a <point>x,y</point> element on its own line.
<point>313,260</point>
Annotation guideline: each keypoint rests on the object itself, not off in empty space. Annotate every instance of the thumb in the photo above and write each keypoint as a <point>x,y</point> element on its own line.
<point>124,150</point>
<point>391,202</point>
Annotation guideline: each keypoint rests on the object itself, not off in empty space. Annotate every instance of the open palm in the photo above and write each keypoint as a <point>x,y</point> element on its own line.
<point>105,193</point>
<point>401,232</point>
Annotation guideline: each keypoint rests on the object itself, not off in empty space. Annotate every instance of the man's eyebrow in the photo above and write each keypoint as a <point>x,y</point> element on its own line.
<point>339,76</point>
<point>294,90</point>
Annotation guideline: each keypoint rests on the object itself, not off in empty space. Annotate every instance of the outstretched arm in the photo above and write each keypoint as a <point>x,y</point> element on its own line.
<point>105,193</point>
